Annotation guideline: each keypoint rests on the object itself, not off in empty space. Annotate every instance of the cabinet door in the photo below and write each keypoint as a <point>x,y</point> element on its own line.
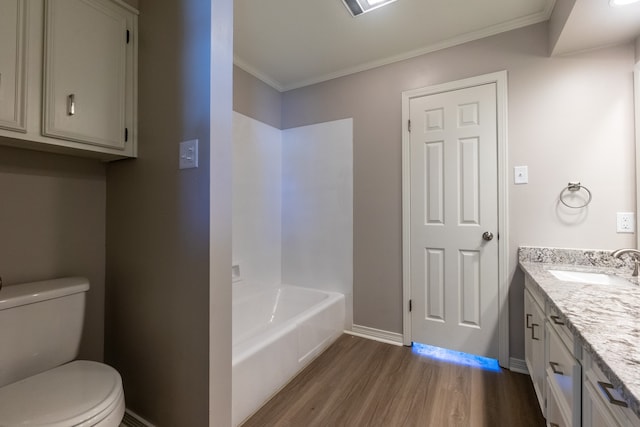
<point>528,320</point>
<point>538,344</point>
<point>85,72</point>
<point>534,346</point>
<point>595,414</point>
<point>12,64</point>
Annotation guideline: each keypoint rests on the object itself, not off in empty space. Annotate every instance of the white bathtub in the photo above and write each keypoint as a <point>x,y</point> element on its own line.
<point>276,332</point>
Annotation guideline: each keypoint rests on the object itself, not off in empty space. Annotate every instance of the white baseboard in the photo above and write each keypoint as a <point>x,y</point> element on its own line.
<point>518,365</point>
<point>376,334</point>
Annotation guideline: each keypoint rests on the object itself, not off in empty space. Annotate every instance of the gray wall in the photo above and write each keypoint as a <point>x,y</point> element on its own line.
<point>256,99</point>
<point>157,320</point>
<point>570,118</point>
<point>52,224</point>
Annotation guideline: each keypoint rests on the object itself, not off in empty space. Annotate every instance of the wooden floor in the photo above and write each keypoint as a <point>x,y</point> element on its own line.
<point>359,382</point>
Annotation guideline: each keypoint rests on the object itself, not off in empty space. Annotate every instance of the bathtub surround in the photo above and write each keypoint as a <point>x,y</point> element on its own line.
<point>257,200</point>
<point>317,208</point>
<point>293,205</point>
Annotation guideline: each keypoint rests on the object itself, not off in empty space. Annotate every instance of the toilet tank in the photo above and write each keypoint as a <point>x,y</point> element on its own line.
<point>40,326</point>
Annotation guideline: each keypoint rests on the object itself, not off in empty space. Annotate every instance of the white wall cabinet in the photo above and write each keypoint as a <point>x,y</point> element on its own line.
<point>81,77</point>
<point>13,55</point>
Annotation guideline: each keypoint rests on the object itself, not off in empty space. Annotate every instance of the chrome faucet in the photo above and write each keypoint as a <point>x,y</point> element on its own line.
<point>636,258</point>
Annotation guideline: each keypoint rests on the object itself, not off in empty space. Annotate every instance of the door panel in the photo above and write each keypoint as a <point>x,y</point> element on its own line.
<point>434,165</point>
<point>434,263</point>
<point>454,200</point>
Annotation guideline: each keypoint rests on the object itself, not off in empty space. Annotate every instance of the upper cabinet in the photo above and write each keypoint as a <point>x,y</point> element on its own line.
<point>85,72</point>
<point>81,83</point>
<point>13,34</point>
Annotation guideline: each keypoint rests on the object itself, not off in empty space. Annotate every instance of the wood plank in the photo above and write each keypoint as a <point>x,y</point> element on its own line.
<point>360,382</point>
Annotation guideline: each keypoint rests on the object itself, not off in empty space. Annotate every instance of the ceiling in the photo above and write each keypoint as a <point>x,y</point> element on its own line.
<point>593,23</point>
<point>294,43</point>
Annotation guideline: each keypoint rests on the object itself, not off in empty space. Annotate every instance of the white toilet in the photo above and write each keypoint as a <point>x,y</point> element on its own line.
<point>40,329</point>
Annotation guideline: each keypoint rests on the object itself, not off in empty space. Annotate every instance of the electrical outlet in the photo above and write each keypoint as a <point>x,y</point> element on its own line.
<point>626,222</point>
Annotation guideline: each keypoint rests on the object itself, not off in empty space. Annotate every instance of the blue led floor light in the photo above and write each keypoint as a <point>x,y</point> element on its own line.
<point>456,357</point>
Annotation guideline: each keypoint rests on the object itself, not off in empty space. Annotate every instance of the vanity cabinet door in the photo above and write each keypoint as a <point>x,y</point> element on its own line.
<point>564,375</point>
<point>534,345</point>
<point>594,411</point>
<point>602,404</point>
<point>13,19</point>
<point>85,72</point>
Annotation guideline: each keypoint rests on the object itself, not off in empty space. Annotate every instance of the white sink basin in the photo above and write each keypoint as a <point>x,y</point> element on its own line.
<point>591,278</point>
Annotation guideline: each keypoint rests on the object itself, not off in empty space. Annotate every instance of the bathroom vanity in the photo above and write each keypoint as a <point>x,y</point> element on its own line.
<point>582,336</point>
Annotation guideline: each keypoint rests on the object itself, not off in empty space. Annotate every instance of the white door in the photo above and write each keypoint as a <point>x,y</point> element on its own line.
<point>454,220</point>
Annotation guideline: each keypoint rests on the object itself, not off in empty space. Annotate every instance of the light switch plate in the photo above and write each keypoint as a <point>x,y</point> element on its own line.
<point>189,154</point>
<point>520,175</point>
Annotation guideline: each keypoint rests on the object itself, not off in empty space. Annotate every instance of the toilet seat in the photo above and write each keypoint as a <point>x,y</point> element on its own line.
<point>81,393</point>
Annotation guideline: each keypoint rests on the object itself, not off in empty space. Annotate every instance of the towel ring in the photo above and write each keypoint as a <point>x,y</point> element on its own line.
<point>573,187</point>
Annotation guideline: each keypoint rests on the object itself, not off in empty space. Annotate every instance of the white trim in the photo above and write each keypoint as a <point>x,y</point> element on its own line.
<point>375,334</point>
<point>500,79</point>
<point>444,44</point>
<point>518,365</point>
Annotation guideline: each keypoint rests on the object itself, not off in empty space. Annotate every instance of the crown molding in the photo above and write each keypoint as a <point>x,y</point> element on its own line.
<point>454,41</point>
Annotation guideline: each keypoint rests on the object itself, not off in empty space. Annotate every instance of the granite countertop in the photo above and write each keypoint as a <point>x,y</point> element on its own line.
<point>604,318</point>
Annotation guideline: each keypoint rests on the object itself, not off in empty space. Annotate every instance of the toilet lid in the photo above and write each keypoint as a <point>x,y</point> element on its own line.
<point>61,397</point>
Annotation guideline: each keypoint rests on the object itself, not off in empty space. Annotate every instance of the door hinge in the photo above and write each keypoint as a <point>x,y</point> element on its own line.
<point>410,305</point>
<point>126,134</point>
<point>409,125</point>
<point>128,36</point>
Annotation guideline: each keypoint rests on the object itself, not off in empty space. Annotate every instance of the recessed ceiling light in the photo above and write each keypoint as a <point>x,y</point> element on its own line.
<point>358,7</point>
<point>622,2</point>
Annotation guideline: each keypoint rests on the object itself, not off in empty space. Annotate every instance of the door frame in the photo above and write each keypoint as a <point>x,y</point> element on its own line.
<point>500,79</point>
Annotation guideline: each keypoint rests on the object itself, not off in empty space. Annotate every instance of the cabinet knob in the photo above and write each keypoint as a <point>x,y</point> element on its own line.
<point>533,332</point>
<point>556,320</point>
<point>605,387</point>
<point>554,368</point>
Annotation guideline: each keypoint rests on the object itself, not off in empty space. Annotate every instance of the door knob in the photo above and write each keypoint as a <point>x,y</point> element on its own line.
<point>487,235</point>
